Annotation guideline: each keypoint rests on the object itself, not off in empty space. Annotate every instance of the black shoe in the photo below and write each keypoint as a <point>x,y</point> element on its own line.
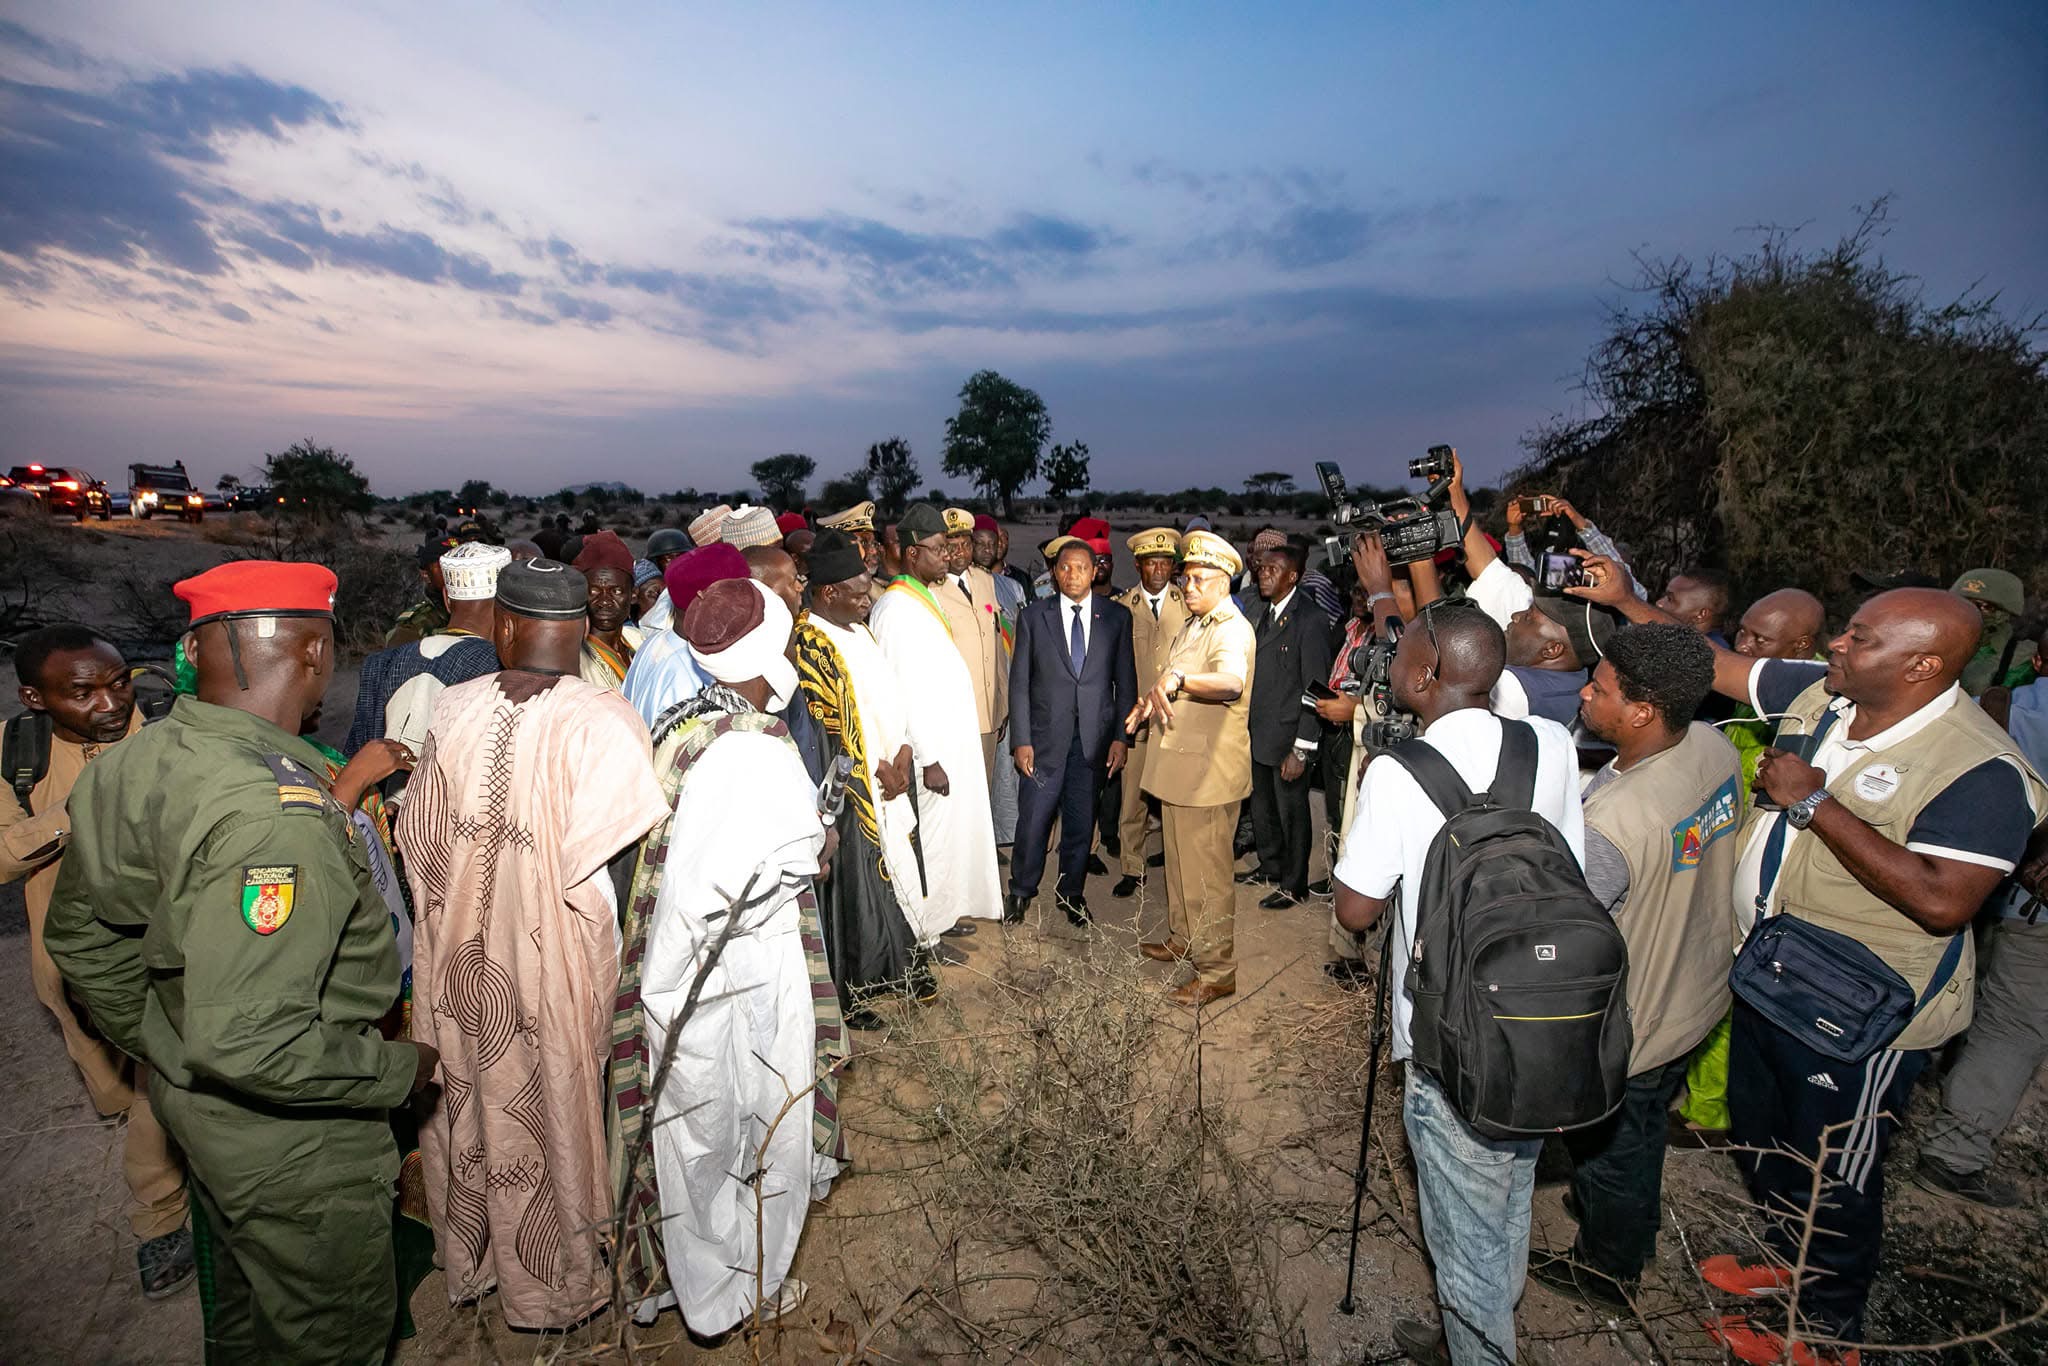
<point>1156,861</point>
<point>1125,886</point>
<point>1014,906</point>
<point>1256,877</point>
<point>962,930</point>
<point>865,1019</point>
<point>1421,1340</point>
<point>1279,901</point>
<point>1575,1280</point>
<point>166,1264</point>
<point>1096,867</point>
<point>946,953</point>
<point>1978,1187</point>
<point>1077,911</point>
<point>1323,888</point>
<point>1348,973</point>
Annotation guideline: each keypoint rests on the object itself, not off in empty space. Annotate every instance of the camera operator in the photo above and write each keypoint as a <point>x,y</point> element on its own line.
<point>1550,506</point>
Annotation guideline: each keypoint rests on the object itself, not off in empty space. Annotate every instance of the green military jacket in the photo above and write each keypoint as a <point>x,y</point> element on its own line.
<point>417,622</point>
<point>217,918</point>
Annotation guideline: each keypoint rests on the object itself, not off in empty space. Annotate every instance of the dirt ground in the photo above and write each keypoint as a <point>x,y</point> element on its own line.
<point>67,1275</point>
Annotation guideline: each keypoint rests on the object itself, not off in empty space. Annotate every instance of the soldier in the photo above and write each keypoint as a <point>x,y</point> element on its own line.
<point>233,940</point>
<point>428,616</point>
<point>1157,613</point>
<point>1199,765</point>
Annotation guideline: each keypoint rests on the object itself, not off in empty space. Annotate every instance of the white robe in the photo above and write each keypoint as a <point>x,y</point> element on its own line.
<point>752,1041</point>
<point>957,830</point>
<point>885,728</point>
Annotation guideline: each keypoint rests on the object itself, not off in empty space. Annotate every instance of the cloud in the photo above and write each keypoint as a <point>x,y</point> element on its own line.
<point>234,313</point>
<point>293,235</point>
<point>895,263</point>
<point>1307,237</point>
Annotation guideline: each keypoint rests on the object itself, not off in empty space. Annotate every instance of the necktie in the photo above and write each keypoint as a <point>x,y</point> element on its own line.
<point>1155,607</point>
<point>1266,619</point>
<point>1077,644</point>
<point>962,581</point>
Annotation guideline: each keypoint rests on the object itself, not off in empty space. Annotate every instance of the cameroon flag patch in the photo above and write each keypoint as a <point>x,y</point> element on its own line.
<point>267,896</point>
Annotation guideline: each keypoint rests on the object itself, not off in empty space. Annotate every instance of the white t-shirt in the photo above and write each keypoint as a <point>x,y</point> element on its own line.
<point>1390,833</point>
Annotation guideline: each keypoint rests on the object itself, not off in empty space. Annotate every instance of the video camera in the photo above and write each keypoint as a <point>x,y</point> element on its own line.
<point>1411,528</point>
<point>1372,664</point>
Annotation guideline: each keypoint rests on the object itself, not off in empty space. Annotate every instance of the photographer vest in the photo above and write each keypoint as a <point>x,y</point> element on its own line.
<point>1673,817</point>
<point>1814,885</point>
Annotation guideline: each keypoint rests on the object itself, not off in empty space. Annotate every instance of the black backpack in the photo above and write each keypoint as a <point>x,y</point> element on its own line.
<point>1518,976</point>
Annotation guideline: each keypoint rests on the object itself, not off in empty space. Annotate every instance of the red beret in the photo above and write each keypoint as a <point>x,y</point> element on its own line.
<point>1088,528</point>
<point>1099,544</point>
<point>604,550</point>
<point>791,521</point>
<point>688,575</point>
<point>984,522</point>
<point>259,588</point>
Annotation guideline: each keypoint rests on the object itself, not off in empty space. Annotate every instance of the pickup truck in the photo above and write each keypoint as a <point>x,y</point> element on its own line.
<point>166,489</point>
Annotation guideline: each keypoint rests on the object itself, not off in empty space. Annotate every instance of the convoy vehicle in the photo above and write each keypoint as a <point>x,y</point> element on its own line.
<point>166,489</point>
<point>62,489</point>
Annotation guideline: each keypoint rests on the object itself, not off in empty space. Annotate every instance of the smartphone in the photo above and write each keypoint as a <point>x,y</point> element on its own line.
<point>1534,505</point>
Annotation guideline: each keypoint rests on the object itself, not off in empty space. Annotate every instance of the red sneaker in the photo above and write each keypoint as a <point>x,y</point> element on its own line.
<point>1757,1346</point>
<point>1731,1274</point>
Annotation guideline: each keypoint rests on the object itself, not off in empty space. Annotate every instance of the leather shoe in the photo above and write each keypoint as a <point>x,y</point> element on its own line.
<point>1096,866</point>
<point>1014,906</point>
<point>1172,951</point>
<point>1076,909</point>
<point>946,953</point>
<point>1279,901</point>
<point>1421,1340</point>
<point>1255,877</point>
<point>1156,861</point>
<point>1348,973</point>
<point>1199,993</point>
<point>1323,888</point>
<point>1125,885</point>
<point>959,931</point>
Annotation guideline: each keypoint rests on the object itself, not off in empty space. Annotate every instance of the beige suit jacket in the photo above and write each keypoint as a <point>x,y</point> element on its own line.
<point>975,636</point>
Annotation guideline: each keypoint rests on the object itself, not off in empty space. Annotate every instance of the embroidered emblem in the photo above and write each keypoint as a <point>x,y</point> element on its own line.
<point>267,895</point>
<point>1877,783</point>
<point>297,788</point>
<point>1715,818</point>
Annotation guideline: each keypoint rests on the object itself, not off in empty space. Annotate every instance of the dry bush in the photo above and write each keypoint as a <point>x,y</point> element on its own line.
<point>1084,1196</point>
<point>38,566</point>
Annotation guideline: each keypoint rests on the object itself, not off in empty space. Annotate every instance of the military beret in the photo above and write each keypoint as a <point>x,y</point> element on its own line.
<point>258,588</point>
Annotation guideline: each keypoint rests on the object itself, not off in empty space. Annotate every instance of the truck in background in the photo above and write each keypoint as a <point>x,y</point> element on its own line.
<point>166,489</point>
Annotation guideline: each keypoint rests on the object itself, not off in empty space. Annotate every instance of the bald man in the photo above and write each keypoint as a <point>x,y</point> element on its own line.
<point>1906,811</point>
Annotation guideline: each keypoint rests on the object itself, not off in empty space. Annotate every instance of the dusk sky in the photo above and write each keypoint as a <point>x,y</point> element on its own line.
<point>547,244</point>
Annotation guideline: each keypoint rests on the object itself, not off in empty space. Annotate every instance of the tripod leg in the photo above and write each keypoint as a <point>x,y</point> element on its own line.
<point>1372,1078</point>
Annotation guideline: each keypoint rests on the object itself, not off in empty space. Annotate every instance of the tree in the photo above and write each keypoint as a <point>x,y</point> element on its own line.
<point>475,493</point>
<point>1066,470</point>
<point>316,484</point>
<point>782,479</point>
<point>891,475</point>
<point>228,485</point>
<point>1270,484</point>
<point>1793,416</point>
<point>566,497</point>
<point>848,490</point>
<point>996,437</point>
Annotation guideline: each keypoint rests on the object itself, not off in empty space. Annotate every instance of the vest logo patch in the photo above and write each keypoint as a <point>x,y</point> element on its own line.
<point>267,892</point>
<point>1877,783</point>
<point>1715,818</point>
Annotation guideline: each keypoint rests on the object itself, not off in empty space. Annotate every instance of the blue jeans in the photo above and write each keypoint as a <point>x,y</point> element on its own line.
<point>1475,1195</point>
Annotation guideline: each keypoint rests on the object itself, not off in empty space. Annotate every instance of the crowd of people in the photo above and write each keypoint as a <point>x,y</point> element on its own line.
<point>547,976</point>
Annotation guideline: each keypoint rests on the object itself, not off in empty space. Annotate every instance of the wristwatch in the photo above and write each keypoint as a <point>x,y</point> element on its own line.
<point>1799,815</point>
<point>1180,680</point>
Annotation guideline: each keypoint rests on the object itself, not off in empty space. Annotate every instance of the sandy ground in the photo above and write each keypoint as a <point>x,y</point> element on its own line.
<point>67,1277</point>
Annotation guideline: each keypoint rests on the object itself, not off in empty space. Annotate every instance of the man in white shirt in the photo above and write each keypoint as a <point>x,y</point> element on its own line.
<point>1475,1192</point>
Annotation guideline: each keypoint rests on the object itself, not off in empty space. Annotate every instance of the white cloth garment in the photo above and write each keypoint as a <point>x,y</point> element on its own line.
<point>957,830</point>
<point>746,804</point>
<point>885,728</point>
<point>662,673</point>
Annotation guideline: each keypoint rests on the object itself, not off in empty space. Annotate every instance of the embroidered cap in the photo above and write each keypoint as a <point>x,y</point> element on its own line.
<point>469,573</point>
<point>704,527</point>
<point>749,526</point>
<point>859,517</point>
<point>1158,540</point>
<point>959,521</point>
<point>1207,549</point>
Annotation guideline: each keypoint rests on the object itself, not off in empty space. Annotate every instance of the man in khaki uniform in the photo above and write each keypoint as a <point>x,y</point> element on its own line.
<point>1200,766</point>
<point>76,680</point>
<point>968,598</point>
<point>1157,613</point>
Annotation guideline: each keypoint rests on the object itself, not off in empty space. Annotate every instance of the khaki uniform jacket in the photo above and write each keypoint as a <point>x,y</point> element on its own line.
<point>1204,757</point>
<point>1150,640</point>
<point>975,636</point>
<point>1673,817</point>
<point>217,917</point>
<point>32,845</point>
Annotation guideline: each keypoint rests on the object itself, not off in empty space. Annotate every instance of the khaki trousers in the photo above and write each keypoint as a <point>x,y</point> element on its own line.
<point>988,757</point>
<point>116,1086</point>
<point>1133,815</point>
<point>1201,894</point>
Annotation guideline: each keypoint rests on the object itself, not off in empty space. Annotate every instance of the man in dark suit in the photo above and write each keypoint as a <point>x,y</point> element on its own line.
<point>1071,685</point>
<point>1294,652</point>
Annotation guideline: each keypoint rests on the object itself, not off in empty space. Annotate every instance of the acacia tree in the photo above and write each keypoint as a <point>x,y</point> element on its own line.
<point>997,436</point>
<point>891,475</point>
<point>1271,483</point>
<point>783,478</point>
<point>1794,416</point>
<point>475,493</point>
<point>1066,470</point>
<point>316,484</point>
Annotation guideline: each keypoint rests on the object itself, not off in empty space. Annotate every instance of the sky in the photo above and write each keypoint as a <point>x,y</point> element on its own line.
<point>544,244</point>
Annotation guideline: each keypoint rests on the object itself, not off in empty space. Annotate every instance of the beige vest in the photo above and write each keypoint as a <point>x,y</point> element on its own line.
<point>1673,817</point>
<point>975,636</point>
<point>1813,884</point>
<point>1204,758</point>
<point>1150,640</point>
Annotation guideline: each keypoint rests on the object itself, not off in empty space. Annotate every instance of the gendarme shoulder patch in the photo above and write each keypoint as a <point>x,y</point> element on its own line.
<point>297,788</point>
<point>267,893</point>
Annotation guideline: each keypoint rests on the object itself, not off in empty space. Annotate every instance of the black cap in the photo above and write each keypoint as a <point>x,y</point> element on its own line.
<point>921,522</point>
<point>834,558</point>
<point>547,589</point>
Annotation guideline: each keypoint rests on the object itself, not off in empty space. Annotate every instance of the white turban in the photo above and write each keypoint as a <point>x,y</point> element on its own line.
<point>760,652</point>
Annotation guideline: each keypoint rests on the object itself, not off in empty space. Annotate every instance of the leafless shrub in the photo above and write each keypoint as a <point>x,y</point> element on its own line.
<point>37,570</point>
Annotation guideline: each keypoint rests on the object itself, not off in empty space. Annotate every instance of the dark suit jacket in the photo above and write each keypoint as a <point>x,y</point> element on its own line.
<point>1293,651</point>
<point>1048,705</point>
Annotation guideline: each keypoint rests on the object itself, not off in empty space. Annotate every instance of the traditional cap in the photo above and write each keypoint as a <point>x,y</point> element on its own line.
<point>959,521</point>
<point>688,575</point>
<point>430,552</point>
<point>258,588</point>
<point>469,573</point>
<point>1158,540</point>
<point>1999,587</point>
<point>668,541</point>
<point>834,558</point>
<point>921,522</point>
<point>1587,626</point>
<point>644,572</point>
<point>704,528</point>
<point>859,517</point>
<point>1088,528</point>
<point>1269,539</point>
<point>984,522</point>
<point>1208,549</point>
<point>739,630</point>
<point>1100,545</point>
<point>546,589</point>
<point>1051,549</point>
<point>1199,523</point>
<point>790,521</point>
<point>604,550</point>
<point>747,526</point>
